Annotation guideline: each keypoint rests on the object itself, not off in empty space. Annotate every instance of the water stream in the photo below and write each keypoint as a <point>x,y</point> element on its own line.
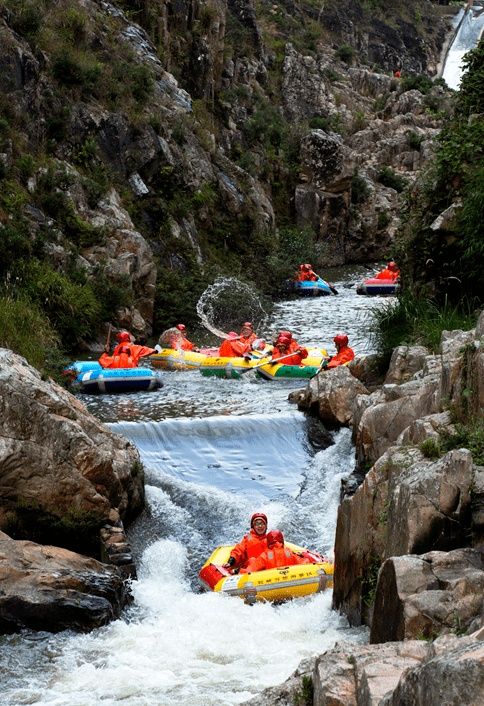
<point>215,451</point>
<point>471,25</point>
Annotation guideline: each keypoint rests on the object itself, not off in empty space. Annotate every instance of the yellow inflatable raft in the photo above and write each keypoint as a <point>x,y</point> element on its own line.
<point>170,359</point>
<point>277,585</point>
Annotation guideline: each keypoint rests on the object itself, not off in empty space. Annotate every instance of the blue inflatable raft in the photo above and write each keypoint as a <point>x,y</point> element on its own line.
<point>311,289</point>
<point>94,379</point>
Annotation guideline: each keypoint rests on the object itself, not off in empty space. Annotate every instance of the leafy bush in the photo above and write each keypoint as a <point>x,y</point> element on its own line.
<point>268,124</point>
<point>412,321</point>
<point>345,52</point>
<point>415,140</point>
<point>71,308</point>
<point>359,188</point>
<point>26,18</point>
<point>465,436</point>
<point>387,177</point>
<point>430,448</point>
<point>25,328</point>
<point>330,74</point>
<point>419,82</point>
<point>383,219</point>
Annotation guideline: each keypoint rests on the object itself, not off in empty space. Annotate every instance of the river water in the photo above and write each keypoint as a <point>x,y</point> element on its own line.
<point>215,451</point>
<point>470,23</point>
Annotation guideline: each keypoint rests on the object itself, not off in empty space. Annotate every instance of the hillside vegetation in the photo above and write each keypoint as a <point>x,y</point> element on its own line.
<point>98,98</point>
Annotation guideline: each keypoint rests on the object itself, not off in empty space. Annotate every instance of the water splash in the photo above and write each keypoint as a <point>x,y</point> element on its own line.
<point>227,304</point>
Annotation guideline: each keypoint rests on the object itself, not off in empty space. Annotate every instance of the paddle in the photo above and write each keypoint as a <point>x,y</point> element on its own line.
<point>329,285</point>
<point>267,362</point>
<point>106,347</point>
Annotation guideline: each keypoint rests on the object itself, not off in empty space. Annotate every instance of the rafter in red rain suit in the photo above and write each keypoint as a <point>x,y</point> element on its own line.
<point>387,274</point>
<point>308,276</point>
<point>296,359</point>
<point>182,343</point>
<point>123,359</point>
<point>344,355</point>
<point>233,349</point>
<point>275,556</point>
<point>249,548</point>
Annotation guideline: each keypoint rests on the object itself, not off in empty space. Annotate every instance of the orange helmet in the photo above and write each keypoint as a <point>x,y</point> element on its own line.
<point>274,537</point>
<point>123,336</point>
<point>341,340</point>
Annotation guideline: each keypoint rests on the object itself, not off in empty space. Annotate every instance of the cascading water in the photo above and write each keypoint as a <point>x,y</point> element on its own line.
<point>228,303</point>
<point>215,451</point>
<point>470,27</point>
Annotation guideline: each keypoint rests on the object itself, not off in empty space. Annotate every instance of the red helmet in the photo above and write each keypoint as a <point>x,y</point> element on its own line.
<point>392,266</point>
<point>302,267</point>
<point>256,515</point>
<point>232,335</point>
<point>123,336</point>
<point>247,324</point>
<point>274,537</point>
<point>308,267</point>
<point>286,334</point>
<point>284,340</point>
<point>125,349</point>
<point>181,327</point>
<point>341,340</point>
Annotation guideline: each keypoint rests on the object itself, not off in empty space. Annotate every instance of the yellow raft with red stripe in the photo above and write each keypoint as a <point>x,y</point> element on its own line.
<point>275,585</point>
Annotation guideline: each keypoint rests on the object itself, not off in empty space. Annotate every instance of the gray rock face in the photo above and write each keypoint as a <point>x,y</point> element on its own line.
<point>47,588</point>
<point>428,595</point>
<point>332,395</point>
<point>53,454</point>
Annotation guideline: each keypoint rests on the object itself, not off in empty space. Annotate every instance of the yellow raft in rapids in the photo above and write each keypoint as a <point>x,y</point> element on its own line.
<point>276,585</point>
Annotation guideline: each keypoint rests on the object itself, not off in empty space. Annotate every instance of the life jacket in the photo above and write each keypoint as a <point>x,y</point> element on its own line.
<point>296,359</point>
<point>249,340</point>
<point>387,274</point>
<point>344,355</point>
<point>249,548</point>
<point>122,360</point>
<point>233,349</point>
<point>276,556</point>
<point>182,343</point>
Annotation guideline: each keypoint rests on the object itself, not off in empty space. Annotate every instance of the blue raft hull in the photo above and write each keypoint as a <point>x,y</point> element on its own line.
<point>112,380</point>
<point>312,289</point>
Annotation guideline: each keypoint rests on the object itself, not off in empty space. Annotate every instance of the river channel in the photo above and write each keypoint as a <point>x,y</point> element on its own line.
<point>215,451</point>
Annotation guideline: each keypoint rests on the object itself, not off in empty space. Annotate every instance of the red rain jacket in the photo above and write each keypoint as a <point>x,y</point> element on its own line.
<point>277,555</point>
<point>233,349</point>
<point>343,356</point>
<point>308,276</point>
<point>296,359</point>
<point>182,343</point>
<point>387,274</point>
<point>123,360</point>
<point>249,548</point>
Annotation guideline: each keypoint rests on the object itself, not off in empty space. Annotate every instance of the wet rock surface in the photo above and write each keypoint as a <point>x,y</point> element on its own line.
<point>53,589</point>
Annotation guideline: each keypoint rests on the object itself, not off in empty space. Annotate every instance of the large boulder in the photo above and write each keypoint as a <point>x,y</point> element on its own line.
<point>47,588</point>
<point>428,595</point>
<point>332,393</point>
<point>55,457</point>
<point>406,505</point>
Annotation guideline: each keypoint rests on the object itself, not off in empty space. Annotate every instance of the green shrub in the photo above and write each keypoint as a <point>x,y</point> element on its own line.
<point>26,18</point>
<point>415,140</point>
<point>440,82</point>
<point>330,74</point>
<point>359,188</point>
<point>412,321</point>
<point>267,124</point>
<point>419,82</point>
<point>465,436</point>
<point>72,308</point>
<point>430,448</point>
<point>383,219</point>
<point>345,52</point>
<point>387,177</point>
<point>25,329</point>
